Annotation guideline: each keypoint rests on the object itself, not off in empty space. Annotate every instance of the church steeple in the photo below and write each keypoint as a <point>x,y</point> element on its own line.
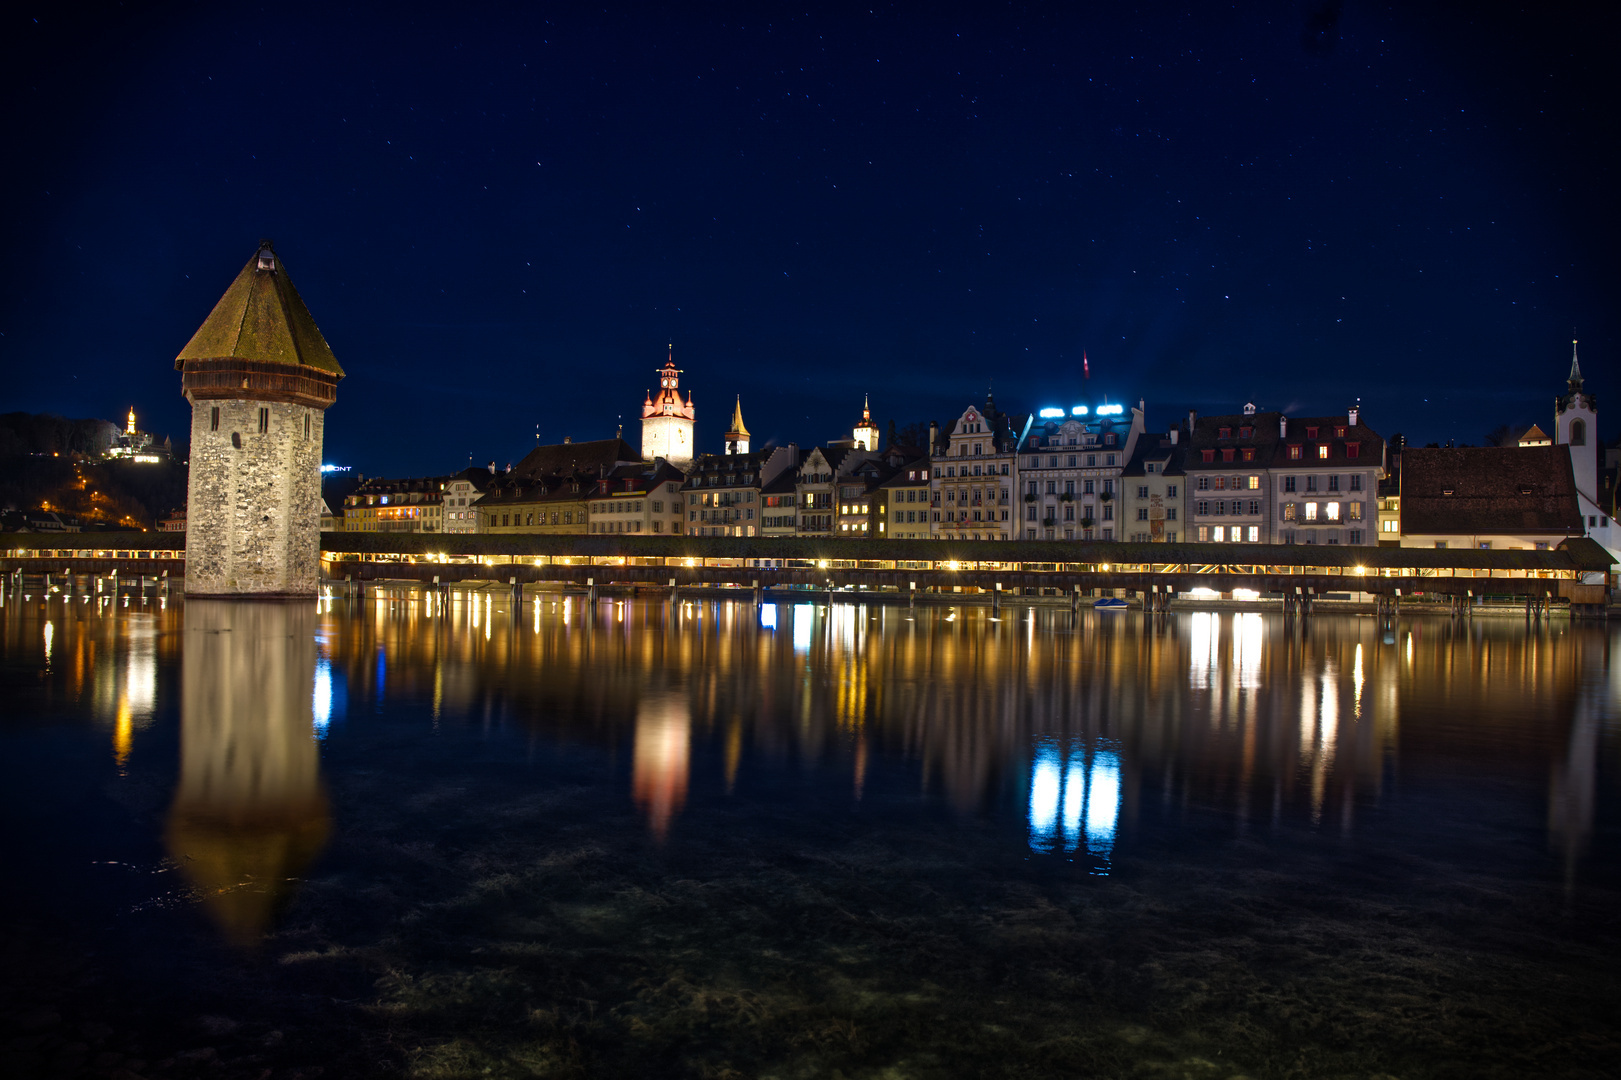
<point>866,432</point>
<point>1575,370</point>
<point>737,436</point>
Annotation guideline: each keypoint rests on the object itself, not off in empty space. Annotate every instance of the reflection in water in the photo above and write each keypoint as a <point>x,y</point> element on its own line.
<point>249,813</point>
<point>1082,730</point>
<point>1078,793</point>
<point>1085,724</point>
<point>661,760</point>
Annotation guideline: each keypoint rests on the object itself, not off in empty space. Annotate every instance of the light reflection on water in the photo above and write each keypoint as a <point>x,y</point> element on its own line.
<point>1079,727</point>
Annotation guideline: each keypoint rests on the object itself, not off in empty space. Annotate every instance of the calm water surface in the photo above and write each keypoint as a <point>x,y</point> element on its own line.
<point>413,836</point>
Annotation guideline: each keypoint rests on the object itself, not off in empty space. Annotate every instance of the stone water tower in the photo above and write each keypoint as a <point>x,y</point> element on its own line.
<point>259,377</point>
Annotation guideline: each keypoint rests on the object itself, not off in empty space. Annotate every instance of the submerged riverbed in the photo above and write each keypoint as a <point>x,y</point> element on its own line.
<point>436,836</point>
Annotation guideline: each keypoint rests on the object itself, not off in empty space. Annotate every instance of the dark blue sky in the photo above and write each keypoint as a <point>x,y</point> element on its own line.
<point>500,216</point>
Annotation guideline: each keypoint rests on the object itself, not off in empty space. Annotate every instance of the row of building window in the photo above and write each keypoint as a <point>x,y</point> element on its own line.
<point>1330,511</point>
<point>1071,461</point>
<point>951,470</point>
<point>1220,507</point>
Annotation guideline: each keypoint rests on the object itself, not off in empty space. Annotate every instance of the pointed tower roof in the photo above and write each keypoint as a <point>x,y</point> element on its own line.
<point>737,419</point>
<point>261,318</point>
<point>1575,368</point>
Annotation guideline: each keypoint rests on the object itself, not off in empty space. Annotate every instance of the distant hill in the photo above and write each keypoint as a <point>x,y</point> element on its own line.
<point>24,434</point>
<point>52,463</point>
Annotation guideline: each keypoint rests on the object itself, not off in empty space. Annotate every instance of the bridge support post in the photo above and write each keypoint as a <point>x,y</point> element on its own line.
<point>911,595</point>
<point>166,584</point>
<point>591,591</point>
<point>996,598</point>
<point>517,595</point>
<point>1074,599</point>
<point>759,592</point>
<point>674,595</point>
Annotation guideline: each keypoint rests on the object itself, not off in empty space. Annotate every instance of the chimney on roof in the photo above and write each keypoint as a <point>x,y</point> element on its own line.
<point>567,439</point>
<point>1283,426</point>
<point>492,466</point>
<point>1174,434</point>
<point>1351,414</point>
<point>934,435</point>
<point>1192,418</point>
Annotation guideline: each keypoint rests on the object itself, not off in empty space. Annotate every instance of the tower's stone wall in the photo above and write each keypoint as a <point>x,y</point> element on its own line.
<point>253,511</point>
<point>667,437</point>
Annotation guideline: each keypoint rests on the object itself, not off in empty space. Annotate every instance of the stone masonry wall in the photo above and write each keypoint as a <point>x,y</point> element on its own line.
<point>253,514</point>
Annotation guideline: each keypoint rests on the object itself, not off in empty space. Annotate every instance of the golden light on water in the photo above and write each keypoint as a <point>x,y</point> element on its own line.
<point>662,757</point>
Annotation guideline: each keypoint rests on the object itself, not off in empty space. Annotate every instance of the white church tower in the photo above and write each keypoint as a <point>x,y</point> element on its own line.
<point>1576,427</point>
<point>865,433</point>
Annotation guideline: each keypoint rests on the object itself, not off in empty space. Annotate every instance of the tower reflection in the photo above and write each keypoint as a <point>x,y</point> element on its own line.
<point>662,757</point>
<point>250,813</point>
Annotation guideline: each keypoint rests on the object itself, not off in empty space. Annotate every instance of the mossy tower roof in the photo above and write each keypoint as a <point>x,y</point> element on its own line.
<point>261,318</point>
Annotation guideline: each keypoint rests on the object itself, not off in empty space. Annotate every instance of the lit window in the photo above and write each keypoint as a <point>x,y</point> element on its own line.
<point>1322,451</point>
<point>1332,511</point>
<point>1255,534</point>
<point>1311,511</point>
<point>1220,534</point>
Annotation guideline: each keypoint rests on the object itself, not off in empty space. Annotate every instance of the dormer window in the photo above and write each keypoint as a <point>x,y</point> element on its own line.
<point>1208,455</point>
<point>1294,452</point>
<point>1311,432</point>
<point>1339,432</point>
<point>1224,433</point>
<point>267,259</point>
<point>1249,453</point>
<point>1246,433</point>
<point>1353,449</point>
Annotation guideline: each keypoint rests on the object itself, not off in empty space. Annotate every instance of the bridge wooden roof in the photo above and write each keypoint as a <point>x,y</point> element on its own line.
<point>1577,554</point>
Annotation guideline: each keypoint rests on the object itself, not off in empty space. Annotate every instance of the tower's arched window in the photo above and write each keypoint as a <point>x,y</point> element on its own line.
<point>1578,433</point>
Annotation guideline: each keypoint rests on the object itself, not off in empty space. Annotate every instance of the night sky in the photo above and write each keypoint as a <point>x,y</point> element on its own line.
<point>501,216</point>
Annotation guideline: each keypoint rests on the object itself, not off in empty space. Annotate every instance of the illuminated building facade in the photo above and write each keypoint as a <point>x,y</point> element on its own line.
<point>972,485</point>
<point>724,494</point>
<point>462,493</point>
<point>1069,468</point>
<point>639,498</point>
<point>1151,487</point>
<point>1324,479</point>
<point>411,505</point>
<point>779,497</point>
<point>667,421</point>
<point>259,377</point>
<point>906,502</point>
<point>555,505</point>
<point>823,470</point>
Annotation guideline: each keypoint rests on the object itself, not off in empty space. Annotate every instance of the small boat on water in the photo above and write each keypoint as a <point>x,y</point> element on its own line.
<point>1110,603</point>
